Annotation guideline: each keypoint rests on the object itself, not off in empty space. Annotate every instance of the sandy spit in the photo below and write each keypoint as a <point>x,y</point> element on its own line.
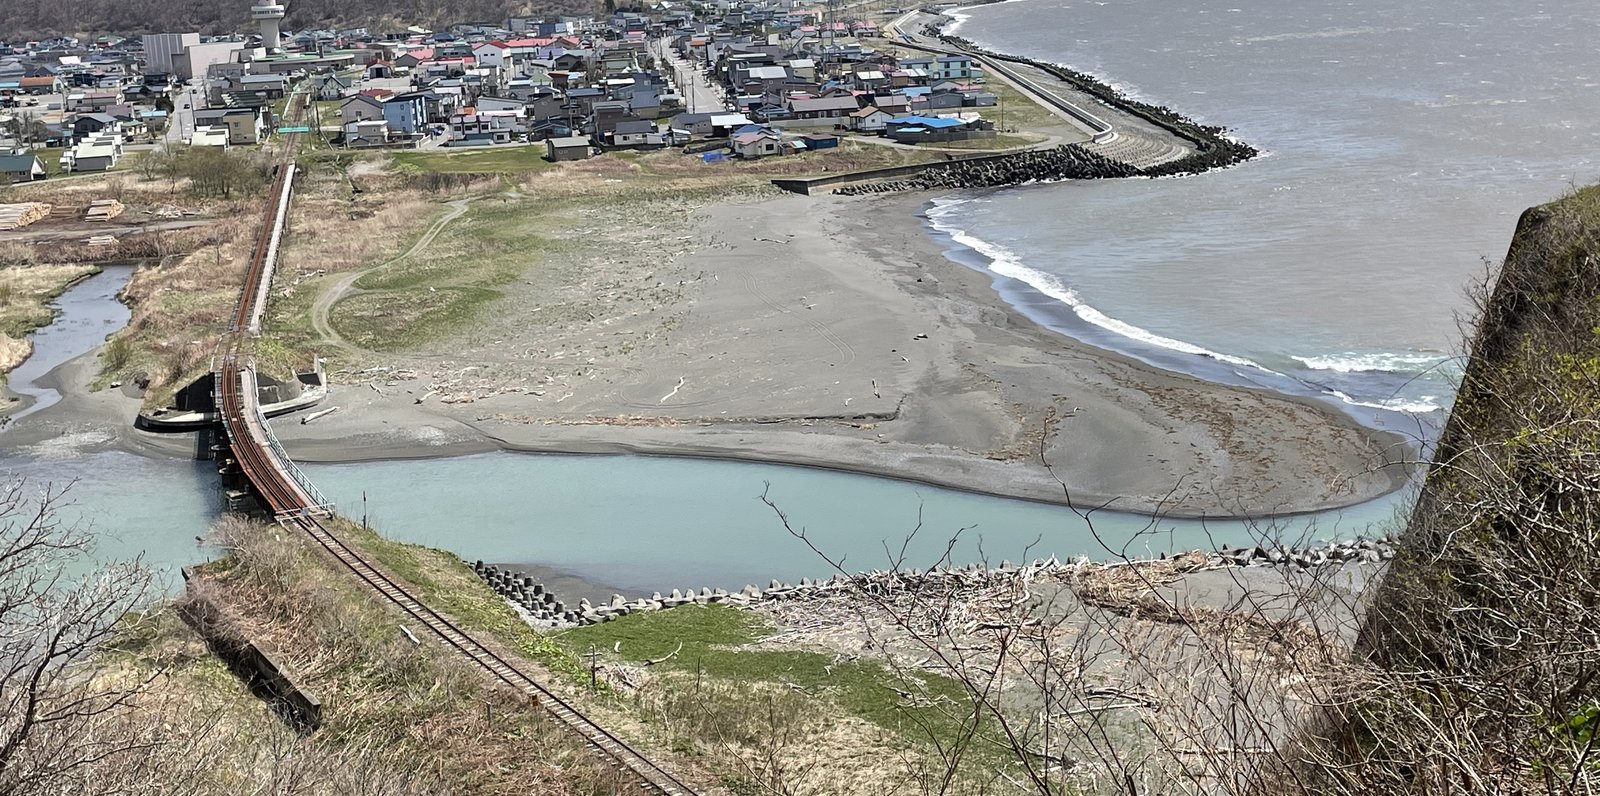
<point>832,332</point>
<point>820,331</point>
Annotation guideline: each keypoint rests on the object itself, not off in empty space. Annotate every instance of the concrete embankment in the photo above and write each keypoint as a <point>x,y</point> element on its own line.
<point>542,608</point>
<point>1067,162</point>
<point>1213,149</point>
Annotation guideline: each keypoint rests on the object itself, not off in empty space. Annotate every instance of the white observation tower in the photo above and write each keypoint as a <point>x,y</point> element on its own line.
<point>268,14</point>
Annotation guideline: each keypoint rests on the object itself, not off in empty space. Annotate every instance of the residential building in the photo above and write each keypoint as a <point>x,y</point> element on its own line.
<point>88,124</point>
<point>330,86</point>
<point>756,142</point>
<point>363,107</point>
<point>638,133</point>
<point>99,152</point>
<point>407,114</point>
<point>245,125</point>
<point>22,166</point>
<point>870,119</point>
<point>210,136</point>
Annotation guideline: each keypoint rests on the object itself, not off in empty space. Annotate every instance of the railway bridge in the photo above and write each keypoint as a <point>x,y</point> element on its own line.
<point>284,492</point>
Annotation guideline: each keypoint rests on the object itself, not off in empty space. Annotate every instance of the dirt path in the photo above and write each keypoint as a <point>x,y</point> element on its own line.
<point>345,285</point>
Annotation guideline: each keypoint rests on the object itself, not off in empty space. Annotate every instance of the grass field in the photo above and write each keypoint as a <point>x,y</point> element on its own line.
<point>718,644</point>
<point>443,288</point>
<point>495,160</point>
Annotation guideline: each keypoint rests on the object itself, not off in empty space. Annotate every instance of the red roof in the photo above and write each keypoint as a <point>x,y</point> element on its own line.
<point>377,93</point>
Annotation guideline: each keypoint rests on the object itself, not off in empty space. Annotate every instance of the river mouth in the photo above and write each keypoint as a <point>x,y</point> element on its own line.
<point>87,313</point>
<point>599,523</point>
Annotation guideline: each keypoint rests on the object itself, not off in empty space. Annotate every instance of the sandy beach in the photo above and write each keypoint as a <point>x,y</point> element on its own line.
<point>820,331</point>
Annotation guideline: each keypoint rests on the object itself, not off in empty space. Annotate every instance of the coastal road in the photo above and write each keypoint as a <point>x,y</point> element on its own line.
<point>1124,138</point>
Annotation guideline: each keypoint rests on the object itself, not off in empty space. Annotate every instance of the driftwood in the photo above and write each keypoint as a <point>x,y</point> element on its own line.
<point>664,658</point>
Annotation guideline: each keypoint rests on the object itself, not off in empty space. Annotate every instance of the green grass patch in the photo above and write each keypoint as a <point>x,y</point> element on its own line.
<point>714,637</point>
<point>445,287</point>
<point>491,160</point>
<point>52,159</point>
<point>396,320</point>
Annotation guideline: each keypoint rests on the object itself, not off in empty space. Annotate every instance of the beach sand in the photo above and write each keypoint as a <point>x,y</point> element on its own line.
<point>822,331</point>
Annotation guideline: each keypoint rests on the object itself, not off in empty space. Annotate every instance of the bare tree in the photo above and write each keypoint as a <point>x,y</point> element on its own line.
<point>56,609</point>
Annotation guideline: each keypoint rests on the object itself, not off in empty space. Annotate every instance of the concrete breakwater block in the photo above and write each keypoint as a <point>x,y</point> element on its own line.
<point>542,608</point>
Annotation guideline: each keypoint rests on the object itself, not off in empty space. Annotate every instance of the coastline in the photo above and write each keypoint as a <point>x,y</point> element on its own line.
<point>820,365</point>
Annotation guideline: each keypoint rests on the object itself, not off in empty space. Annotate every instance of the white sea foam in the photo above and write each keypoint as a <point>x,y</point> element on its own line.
<point>1421,405</point>
<point>959,16</point>
<point>1353,362</point>
<point>1005,262</point>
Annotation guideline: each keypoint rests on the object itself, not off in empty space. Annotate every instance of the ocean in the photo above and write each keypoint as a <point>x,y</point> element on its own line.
<point>1401,142</point>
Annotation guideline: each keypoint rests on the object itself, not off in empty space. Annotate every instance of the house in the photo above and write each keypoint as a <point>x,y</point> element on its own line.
<point>756,143</point>
<point>245,125</point>
<point>893,104</point>
<point>568,61</point>
<point>21,166</point>
<point>96,153</point>
<point>929,129</point>
<point>91,101</point>
<point>870,119</point>
<point>570,148</point>
<point>363,107</point>
<point>949,101</point>
<point>491,53</point>
<point>636,133</point>
<point>411,58</point>
<point>472,126</point>
<point>371,132</point>
<point>823,111</point>
<point>88,124</point>
<point>870,80</point>
<point>330,86</point>
<point>488,103</point>
<point>210,136</point>
<point>270,86</point>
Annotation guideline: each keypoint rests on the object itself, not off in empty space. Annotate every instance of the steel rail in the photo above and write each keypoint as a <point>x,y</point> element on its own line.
<point>298,505</point>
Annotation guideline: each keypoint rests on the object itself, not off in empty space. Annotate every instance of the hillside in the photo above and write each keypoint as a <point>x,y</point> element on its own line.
<point>32,18</point>
<point>1482,635</point>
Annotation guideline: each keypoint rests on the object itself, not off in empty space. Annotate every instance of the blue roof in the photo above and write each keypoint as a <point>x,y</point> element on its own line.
<point>931,122</point>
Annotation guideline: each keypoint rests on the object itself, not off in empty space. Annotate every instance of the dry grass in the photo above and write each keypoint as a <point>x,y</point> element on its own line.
<point>13,352</point>
<point>416,709</point>
<point>25,293</point>
<point>179,308</point>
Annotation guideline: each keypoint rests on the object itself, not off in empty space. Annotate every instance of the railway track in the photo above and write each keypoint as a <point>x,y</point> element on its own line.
<point>297,505</point>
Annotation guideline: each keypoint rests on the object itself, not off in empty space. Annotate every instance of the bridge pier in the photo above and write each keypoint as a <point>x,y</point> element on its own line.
<point>238,494</point>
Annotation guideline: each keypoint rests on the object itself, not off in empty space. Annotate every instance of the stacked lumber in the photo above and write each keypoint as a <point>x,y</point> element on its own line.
<point>103,240</point>
<point>103,210</point>
<point>21,215</point>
